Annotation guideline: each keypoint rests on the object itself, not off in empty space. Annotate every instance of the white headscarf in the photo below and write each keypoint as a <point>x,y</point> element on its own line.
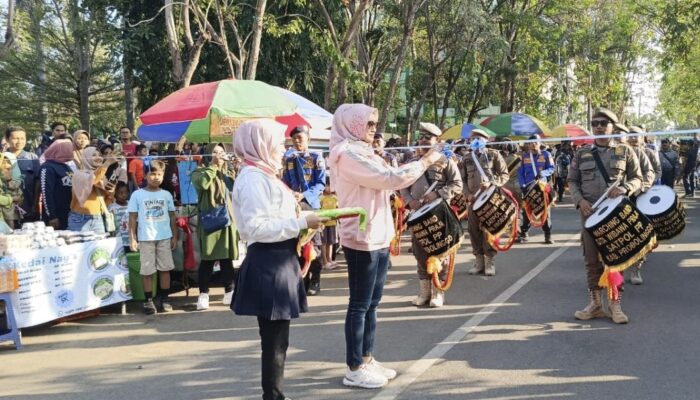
<point>255,141</point>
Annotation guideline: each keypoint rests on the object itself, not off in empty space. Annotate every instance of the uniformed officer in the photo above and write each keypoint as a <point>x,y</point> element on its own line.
<point>448,184</point>
<point>587,184</point>
<point>378,145</point>
<point>481,168</point>
<point>648,179</point>
<point>305,173</point>
<point>511,156</point>
<point>536,165</point>
<point>652,155</point>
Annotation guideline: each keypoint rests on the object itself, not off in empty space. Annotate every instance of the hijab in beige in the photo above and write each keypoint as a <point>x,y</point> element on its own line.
<point>84,178</point>
<point>255,142</point>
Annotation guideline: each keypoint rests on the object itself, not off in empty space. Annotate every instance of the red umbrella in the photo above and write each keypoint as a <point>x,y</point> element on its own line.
<point>572,131</point>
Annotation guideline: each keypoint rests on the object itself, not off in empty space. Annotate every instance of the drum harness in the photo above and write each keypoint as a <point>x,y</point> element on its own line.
<point>536,221</point>
<point>495,241</point>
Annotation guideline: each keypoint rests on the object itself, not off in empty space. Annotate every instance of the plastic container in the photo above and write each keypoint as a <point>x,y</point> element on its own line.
<point>135,279</point>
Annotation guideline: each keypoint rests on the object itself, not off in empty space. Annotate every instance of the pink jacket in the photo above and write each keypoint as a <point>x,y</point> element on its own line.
<point>362,179</point>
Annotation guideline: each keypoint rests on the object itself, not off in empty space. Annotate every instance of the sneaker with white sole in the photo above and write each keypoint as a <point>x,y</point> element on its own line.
<point>203,301</point>
<point>377,367</point>
<point>364,377</point>
<point>228,297</point>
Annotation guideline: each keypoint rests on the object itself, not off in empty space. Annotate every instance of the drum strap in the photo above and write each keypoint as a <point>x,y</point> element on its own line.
<point>601,167</point>
<point>478,165</point>
<point>513,164</point>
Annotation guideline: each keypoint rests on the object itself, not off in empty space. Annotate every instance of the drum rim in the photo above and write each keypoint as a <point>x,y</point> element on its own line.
<point>490,190</point>
<point>660,189</point>
<point>602,207</point>
<point>429,206</point>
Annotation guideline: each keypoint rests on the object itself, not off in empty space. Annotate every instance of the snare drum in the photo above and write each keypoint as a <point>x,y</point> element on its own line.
<point>436,228</point>
<point>662,206</point>
<point>622,234</point>
<point>494,210</point>
<point>536,201</point>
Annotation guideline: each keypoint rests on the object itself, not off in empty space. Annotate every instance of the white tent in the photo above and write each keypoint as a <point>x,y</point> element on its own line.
<point>317,116</point>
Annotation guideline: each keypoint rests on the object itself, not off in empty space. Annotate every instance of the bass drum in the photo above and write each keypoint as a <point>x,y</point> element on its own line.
<point>494,210</point>
<point>662,206</point>
<point>436,228</point>
<point>622,234</point>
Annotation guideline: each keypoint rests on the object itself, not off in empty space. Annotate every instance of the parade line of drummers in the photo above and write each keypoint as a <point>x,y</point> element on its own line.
<point>286,204</point>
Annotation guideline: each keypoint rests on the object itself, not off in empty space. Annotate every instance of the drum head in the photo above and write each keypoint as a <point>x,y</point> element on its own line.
<point>419,212</point>
<point>657,200</point>
<point>484,197</point>
<point>603,210</point>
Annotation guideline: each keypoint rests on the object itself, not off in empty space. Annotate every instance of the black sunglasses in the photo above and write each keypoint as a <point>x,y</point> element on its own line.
<point>599,122</point>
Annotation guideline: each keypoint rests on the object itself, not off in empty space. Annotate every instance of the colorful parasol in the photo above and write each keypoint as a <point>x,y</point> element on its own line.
<point>515,124</point>
<point>464,131</point>
<point>213,111</point>
<point>572,131</point>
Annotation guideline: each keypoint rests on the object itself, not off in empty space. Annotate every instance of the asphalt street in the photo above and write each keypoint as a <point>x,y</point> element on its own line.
<point>512,336</point>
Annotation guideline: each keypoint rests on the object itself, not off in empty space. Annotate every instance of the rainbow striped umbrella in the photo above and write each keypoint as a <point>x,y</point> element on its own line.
<point>573,131</point>
<point>211,112</point>
<point>464,131</point>
<point>515,124</point>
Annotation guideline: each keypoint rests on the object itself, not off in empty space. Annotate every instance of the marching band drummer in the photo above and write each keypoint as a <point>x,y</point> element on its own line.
<point>491,169</point>
<point>448,183</point>
<point>587,183</point>
<point>648,179</point>
<point>536,165</point>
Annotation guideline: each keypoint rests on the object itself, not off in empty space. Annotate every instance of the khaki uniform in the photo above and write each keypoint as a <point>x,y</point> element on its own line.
<point>513,162</point>
<point>586,182</point>
<point>653,156</point>
<point>449,183</point>
<point>495,168</point>
<point>648,174</point>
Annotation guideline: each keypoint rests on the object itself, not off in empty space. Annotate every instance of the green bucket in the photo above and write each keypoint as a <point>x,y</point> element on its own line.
<point>135,281</point>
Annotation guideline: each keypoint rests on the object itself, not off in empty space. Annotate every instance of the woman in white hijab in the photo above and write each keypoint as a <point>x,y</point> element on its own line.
<point>269,285</point>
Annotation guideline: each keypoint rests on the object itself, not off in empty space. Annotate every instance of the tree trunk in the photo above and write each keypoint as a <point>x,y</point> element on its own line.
<point>257,36</point>
<point>9,30</point>
<point>128,94</point>
<point>81,63</point>
<point>174,44</point>
<point>36,15</point>
<point>411,8</point>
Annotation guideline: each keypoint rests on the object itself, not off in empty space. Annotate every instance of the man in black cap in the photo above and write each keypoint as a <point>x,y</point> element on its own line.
<point>448,183</point>
<point>305,173</point>
<point>536,166</point>
<point>691,163</point>
<point>587,183</point>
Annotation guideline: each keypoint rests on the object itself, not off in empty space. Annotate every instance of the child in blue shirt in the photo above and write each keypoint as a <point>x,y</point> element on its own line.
<point>153,232</point>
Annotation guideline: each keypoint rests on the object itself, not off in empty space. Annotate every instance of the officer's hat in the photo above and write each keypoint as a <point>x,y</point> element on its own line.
<point>479,132</point>
<point>621,127</point>
<point>636,129</point>
<point>605,113</point>
<point>430,128</point>
<point>299,129</point>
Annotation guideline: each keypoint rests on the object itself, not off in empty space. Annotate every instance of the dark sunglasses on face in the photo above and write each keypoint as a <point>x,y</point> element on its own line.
<point>599,122</point>
<point>425,136</point>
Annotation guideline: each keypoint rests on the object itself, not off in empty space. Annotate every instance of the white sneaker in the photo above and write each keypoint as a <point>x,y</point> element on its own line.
<point>203,301</point>
<point>228,297</point>
<point>377,367</point>
<point>364,378</point>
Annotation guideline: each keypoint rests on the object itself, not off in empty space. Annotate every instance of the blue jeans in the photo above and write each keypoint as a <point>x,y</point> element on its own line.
<point>85,223</point>
<point>366,277</point>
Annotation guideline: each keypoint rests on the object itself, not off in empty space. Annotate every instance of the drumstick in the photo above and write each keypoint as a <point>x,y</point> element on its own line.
<point>430,190</point>
<point>605,195</point>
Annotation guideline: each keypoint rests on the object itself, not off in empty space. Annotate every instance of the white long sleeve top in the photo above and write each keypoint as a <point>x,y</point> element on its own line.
<point>265,210</point>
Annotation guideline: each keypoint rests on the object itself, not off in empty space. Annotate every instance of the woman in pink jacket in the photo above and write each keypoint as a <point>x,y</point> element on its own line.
<point>362,179</point>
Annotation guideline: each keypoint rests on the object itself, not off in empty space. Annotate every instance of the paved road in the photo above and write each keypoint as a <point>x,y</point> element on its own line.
<point>512,336</point>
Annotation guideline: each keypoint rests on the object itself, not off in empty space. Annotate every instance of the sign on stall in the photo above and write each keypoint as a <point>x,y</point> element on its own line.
<point>60,281</point>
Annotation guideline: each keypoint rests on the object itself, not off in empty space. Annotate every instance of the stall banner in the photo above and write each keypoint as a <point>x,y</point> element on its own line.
<point>61,281</point>
<point>188,195</point>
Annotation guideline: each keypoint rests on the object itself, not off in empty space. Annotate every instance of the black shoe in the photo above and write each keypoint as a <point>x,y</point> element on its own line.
<point>548,240</point>
<point>521,239</point>
<point>149,308</point>
<point>164,306</point>
<point>314,288</point>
